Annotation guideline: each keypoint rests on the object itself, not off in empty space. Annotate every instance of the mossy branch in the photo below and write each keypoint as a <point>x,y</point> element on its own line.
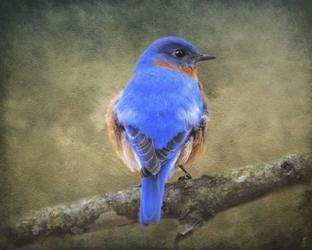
<point>192,202</point>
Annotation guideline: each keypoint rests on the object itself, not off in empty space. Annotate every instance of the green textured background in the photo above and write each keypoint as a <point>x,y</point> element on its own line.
<point>62,62</point>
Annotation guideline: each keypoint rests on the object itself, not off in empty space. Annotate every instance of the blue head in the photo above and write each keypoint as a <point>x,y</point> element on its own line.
<point>173,51</point>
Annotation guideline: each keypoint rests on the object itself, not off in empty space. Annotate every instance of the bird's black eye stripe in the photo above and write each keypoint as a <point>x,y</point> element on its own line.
<point>179,53</point>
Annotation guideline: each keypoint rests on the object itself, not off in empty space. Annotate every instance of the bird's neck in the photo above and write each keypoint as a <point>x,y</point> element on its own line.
<point>190,71</point>
<point>146,61</point>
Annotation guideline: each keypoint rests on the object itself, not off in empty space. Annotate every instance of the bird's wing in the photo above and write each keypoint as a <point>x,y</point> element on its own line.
<point>137,150</point>
<point>151,159</point>
<point>145,151</point>
<point>168,152</point>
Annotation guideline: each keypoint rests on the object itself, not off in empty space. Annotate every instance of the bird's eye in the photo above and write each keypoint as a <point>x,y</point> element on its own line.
<point>179,53</point>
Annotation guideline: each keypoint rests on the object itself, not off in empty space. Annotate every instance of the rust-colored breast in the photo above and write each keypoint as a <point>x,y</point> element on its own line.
<point>203,95</point>
<point>195,146</point>
<point>116,134</point>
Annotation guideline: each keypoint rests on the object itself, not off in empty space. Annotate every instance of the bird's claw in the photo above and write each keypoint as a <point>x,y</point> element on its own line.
<point>187,175</point>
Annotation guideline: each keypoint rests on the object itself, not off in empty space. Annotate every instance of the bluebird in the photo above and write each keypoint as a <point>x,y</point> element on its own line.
<point>158,122</point>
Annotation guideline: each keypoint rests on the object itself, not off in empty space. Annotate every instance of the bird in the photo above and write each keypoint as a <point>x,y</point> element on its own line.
<point>158,122</point>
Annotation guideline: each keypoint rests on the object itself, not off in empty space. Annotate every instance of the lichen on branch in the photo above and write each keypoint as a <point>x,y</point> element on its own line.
<point>191,202</point>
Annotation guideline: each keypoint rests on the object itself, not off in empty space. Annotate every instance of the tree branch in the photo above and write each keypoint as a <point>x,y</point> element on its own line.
<point>190,201</point>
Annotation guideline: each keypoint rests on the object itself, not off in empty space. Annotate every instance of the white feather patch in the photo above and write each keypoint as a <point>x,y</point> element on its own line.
<point>187,150</point>
<point>132,164</point>
<point>190,116</point>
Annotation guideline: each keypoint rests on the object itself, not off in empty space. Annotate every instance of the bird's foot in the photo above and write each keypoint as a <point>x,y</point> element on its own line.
<point>139,185</point>
<point>187,175</point>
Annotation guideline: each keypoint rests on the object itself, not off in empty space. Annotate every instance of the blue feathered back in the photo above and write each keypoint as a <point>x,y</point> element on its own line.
<point>159,103</point>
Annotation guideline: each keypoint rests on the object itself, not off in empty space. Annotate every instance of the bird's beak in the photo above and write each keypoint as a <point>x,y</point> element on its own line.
<point>204,57</point>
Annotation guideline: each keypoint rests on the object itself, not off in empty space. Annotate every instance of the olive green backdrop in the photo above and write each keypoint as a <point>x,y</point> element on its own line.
<point>63,62</point>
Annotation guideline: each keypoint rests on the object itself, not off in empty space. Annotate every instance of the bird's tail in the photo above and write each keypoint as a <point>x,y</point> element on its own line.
<point>152,192</point>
